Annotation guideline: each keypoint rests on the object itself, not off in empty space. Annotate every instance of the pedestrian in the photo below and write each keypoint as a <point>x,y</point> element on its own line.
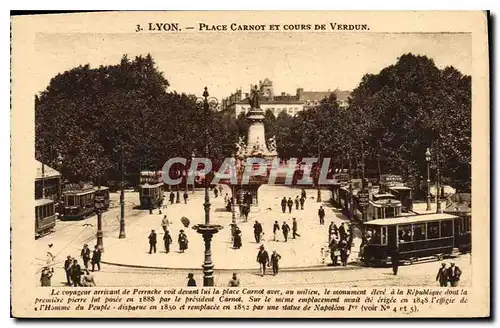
<point>330,231</point>
<point>226,198</point>
<point>334,252</point>
<point>302,201</point>
<point>237,238</point>
<point>303,193</point>
<point>290,204</point>
<point>150,207</point>
<point>297,202</point>
<point>183,241</point>
<point>342,232</point>
<point>152,241</point>
<point>454,274</point>
<point>172,197</point>
<point>165,223</point>
<point>344,252</point>
<point>167,240</point>
<point>246,210</point>
<point>263,260</point>
<point>294,228</point>
<point>283,205</point>
<point>45,276</point>
<point>67,268</point>
<point>276,228</point>
<point>87,279</point>
<point>191,282</point>
<point>96,258</point>
<point>85,254</point>
<point>395,260</point>
<point>76,274</point>
<point>220,189</point>
<point>234,281</point>
<point>442,275</point>
<point>285,228</point>
<point>321,214</point>
<point>275,257</point>
<point>257,230</point>
<point>185,196</point>
<point>216,192</point>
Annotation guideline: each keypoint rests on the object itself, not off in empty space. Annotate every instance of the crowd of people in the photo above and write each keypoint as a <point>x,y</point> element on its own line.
<point>167,238</point>
<point>340,242</point>
<point>76,275</point>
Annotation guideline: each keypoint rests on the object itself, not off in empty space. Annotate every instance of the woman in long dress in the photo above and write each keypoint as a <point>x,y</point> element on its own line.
<point>183,241</point>
<point>237,238</point>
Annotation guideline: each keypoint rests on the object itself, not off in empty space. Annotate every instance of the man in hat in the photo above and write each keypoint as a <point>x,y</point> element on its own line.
<point>257,231</point>
<point>234,281</point>
<point>164,223</point>
<point>285,228</point>
<point>152,241</point>
<point>85,254</point>
<point>454,274</point>
<point>290,204</point>
<point>321,214</point>
<point>295,228</point>
<point>276,228</point>
<point>67,267</point>
<point>96,258</point>
<point>275,257</point>
<point>283,205</point>
<point>442,275</point>
<point>167,240</point>
<point>191,282</point>
<point>263,260</point>
<point>395,260</point>
<point>76,274</point>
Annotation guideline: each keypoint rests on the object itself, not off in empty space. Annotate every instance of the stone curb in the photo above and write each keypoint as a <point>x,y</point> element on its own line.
<point>298,269</point>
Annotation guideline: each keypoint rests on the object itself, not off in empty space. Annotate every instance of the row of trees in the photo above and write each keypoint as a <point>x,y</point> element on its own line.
<point>88,120</point>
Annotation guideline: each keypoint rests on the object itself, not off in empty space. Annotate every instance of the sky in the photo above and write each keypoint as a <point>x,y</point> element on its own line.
<point>225,62</point>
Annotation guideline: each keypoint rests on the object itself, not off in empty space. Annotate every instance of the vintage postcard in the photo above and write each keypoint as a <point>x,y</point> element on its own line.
<point>311,164</point>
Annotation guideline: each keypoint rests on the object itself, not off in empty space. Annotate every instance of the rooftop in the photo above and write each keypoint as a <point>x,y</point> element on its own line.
<point>412,219</point>
<point>48,172</point>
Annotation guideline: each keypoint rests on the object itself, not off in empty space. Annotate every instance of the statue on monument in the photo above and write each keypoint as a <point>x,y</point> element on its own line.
<point>254,98</point>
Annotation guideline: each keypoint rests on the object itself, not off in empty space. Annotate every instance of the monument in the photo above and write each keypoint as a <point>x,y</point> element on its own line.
<point>255,147</point>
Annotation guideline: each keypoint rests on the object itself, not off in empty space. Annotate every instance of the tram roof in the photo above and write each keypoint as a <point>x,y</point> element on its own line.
<point>400,188</point>
<point>412,219</point>
<point>147,185</point>
<point>78,192</point>
<point>101,188</point>
<point>43,201</point>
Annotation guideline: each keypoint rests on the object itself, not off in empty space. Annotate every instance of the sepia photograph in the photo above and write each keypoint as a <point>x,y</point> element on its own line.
<point>224,153</point>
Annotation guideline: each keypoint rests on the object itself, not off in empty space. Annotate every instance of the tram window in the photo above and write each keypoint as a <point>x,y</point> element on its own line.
<point>446,228</point>
<point>379,213</point>
<point>37,212</point>
<point>70,200</point>
<point>390,212</point>
<point>432,230</point>
<point>145,192</point>
<point>384,236</point>
<point>404,233</point>
<point>373,235</point>
<point>419,231</point>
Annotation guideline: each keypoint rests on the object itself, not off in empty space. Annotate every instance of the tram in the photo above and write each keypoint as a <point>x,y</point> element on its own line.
<point>416,237</point>
<point>101,198</point>
<point>45,217</point>
<point>79,201</point>
<point>151,189</point>
<point>393,184</point>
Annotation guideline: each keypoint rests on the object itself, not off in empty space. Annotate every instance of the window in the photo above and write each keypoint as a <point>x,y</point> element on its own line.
<point>390,212</point>
<point>384,236</point>
<point>145,191</point>
<point>373,236</point>
<point>419,231</point>
<point>37,213</point>
<point>380,213</point>
<point>432,230</point>
<point>446,228</point>
<point>404,233</point>
<point>467,224</point>
<point>70,200</point>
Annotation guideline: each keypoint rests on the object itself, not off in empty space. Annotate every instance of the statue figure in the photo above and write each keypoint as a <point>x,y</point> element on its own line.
<point>254,98</point>
<point>272,143</point>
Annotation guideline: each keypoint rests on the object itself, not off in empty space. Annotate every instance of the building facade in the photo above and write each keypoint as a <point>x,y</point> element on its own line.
<point>237,103</point>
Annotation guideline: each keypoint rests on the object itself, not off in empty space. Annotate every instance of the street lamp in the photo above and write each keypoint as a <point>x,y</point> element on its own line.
<point>99,233</point>
<point>122,202</point>
<point>438,178</point>
<point>207,230</point>
<point>191,171</point>
<point>318,197</point>
<point>233,209</point>
<point>428,160</point>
